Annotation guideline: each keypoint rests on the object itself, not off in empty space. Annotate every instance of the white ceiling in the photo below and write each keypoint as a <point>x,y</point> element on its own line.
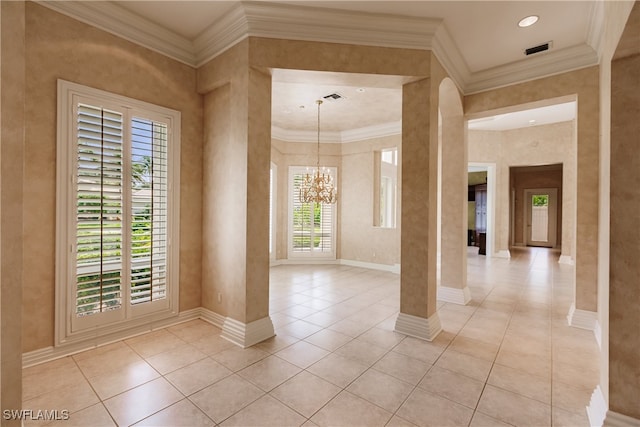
<point>480,39</point>
<point>557,113</point>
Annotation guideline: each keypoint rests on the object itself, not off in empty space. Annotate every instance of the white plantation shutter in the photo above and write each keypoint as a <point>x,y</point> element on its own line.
<point>148,210</point>
<point>99,210</point>
<point>311,226</point>
<point>117,215</point>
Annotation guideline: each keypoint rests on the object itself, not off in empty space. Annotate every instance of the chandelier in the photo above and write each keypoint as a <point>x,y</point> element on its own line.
<point>318,187</point>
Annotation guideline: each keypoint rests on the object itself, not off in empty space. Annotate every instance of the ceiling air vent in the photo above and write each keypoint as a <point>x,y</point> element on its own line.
<point>333,97</point>
<point>537,49</point>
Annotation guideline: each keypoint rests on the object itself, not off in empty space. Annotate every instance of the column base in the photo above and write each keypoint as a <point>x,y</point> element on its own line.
<point>597,409</point>
<point>566,259</point>
<point>419,327</point>
<point>247,334</point>
<point>454,295</point>
<point>502,254</point>
<point>582,319</point>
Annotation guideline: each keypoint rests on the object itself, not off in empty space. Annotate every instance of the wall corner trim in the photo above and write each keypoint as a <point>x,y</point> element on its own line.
<point>419,327</point>
<point>582,319</point>
<point>460,296</point>
<point>597,409</point>
<point>247,334</point>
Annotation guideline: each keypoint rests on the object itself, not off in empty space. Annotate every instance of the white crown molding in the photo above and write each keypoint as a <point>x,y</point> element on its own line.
<point>547,64</point>
<point>595,30</point>
<point>223,34</point>
<point>346,136</point>
<point>419,327</point>
<point>284,21</point>
<point>460,296</point>
<point>118,21</point>
<point>272,20</point>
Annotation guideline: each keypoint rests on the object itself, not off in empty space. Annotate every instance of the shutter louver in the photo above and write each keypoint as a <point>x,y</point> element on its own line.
<point>148,211</point>
<point>98,210</point>
<point>302,228</point>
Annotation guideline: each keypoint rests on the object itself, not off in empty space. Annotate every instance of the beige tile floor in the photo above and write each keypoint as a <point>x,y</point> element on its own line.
<point>507,358</point>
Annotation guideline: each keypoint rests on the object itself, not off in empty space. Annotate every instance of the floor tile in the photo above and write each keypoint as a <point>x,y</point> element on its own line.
<point>198,375</point>
<point>111,383</point>
<point>464,364</point>
<point>562,418</point>
<point>72,398</point>
<point>50,376</point>
<point>475,348</point>
<point>456,387</point>
<point>521,382</point>
<point>328,339</point>
<point>175,359</point>
<point>181,414</point>
<point>299,329</point>
<point>362,351</point>
<point>481,420</point>
<point>306,393</point>
<point>94,416</point>
<point>403,367</point>
<point>269,372</point>
<point>194,330</point>
<point>211,345</point>
<point>382,338</point>
<point>276,343</point>
<point>337,370</point>
<point>570,398</point>
<point>381,389</point>
<point>155,342</point>
<point>111,358</point>
<point>350,410</point>
<point>236,358</point>
<point>265,411</point>
<point>226,397</point>
<point>419,349</point>
<point>136,404</point>
<point>513,408</point>
<point>302,354</point>
<point>425,409</point>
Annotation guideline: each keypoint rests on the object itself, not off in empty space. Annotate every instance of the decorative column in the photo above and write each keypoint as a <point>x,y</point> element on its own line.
<point>418,316</point>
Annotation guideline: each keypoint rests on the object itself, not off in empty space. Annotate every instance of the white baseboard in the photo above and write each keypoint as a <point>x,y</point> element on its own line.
<point>394,268</point>
<point>419,327</point>
<point>566,259</point>
<point>582,319</point>
<point>502,254</point>
<point>460,296</point>
<point>615,419</point>
<point>212,317</point>
<point>247,334</point>
<point>597,331</point>
<point>50,353</point>
<point>597,409</point>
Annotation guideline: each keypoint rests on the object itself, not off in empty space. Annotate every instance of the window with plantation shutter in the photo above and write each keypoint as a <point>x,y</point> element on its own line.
<point>311,226</point>
<point>117,213</point>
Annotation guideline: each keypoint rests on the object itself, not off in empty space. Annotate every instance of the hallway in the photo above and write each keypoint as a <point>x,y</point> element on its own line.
<point>507,358</point>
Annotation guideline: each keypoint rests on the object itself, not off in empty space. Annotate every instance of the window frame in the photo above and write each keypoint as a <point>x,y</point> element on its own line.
<point>312,254</point>
<point>69,94</point>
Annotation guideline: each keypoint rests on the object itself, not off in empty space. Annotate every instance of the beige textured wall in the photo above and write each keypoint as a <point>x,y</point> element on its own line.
<point>536,145</point>
<point>12,96</point>
<point>624,288</point>
<point>60,47</point>
<point>584,84</point>
<point>360,240</point>
<point>235,280</point>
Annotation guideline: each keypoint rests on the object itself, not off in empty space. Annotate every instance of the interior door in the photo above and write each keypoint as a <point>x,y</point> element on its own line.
<point>541,216</point>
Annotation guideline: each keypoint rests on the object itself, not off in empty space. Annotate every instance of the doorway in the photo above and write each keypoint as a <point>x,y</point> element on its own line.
<point>541,216</point>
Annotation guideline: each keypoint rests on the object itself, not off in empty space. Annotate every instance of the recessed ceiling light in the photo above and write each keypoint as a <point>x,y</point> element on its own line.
<point>528,21</point>
<point>532,122</point>
<point>360,89</point>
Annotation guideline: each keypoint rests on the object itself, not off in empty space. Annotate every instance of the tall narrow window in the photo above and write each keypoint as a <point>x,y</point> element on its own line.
<point>117,213</point>
<point>311,225</point>
<point>385,187</point>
